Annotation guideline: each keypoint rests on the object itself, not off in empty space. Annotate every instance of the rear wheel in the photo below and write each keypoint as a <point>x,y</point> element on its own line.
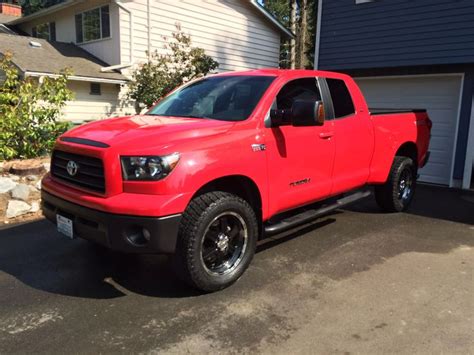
<point>216,241</point>
<point>397,193</point>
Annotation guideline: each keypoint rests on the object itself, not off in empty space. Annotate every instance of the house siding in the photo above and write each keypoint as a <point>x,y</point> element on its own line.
<point>229,31</point>
<point>88,107</point>
<point>395,33</point>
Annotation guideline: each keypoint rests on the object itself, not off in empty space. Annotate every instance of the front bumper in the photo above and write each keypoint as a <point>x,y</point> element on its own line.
<point>118,232</point>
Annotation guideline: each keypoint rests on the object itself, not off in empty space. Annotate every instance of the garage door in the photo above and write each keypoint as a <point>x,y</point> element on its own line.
<point>440,96</point>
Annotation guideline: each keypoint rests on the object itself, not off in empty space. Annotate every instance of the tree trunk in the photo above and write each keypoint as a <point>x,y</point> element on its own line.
<point>293,29</point>
<point>303,32</point>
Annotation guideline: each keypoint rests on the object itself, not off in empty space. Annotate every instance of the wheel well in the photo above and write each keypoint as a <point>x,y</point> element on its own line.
<point>409,150</point>
<point>238,185</point>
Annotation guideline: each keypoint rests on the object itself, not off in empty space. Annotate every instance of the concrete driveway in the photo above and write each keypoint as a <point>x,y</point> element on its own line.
<point>358,281</point>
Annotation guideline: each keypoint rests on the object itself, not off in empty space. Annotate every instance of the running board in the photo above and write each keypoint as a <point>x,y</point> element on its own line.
<point>310,215</point>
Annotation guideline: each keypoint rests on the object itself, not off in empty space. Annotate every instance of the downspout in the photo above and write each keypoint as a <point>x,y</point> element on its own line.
<point>130,63</point>
<point>318,35</point>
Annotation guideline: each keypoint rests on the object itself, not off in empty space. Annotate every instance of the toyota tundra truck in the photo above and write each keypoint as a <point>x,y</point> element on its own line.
<point>228,159</point>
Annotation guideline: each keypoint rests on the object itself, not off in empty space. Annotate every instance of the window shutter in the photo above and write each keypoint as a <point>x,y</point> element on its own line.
<point>79,28</point>
<point>52,31</point>
<point>105,19</point>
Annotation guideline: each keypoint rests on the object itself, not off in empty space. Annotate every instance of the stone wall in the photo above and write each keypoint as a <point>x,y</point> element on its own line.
<point>20,189</point>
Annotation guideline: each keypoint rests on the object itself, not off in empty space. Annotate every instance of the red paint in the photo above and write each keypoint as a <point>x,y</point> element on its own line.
<point>337,157</point>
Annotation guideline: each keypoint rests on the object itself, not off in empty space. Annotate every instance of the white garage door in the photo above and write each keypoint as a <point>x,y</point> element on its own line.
<point>440,96</point>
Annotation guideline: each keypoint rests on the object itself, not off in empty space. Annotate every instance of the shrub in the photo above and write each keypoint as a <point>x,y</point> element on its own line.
<point>29,110</point>
<point>164,72</point>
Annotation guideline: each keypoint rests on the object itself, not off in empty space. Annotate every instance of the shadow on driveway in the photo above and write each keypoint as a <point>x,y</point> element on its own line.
<point>35,254</point>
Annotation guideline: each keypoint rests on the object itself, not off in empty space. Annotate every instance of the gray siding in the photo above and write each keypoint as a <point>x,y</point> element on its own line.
<point>393,33</point>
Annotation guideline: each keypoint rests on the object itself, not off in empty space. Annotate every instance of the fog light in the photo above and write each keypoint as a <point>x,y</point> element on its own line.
<point>137,235</point>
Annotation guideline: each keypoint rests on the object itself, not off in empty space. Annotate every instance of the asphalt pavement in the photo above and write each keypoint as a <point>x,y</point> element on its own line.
<point>357,281</point>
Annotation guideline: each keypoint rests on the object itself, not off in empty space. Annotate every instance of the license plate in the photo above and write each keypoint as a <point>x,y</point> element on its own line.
<point>64,226</point>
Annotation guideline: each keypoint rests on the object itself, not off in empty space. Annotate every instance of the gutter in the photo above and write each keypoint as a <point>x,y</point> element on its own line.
<point>76,78</point>
<point>130,17</point>
<point>46,11</point>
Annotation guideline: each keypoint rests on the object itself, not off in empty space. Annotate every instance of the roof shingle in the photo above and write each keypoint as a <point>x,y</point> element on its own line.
<point>52,57</point>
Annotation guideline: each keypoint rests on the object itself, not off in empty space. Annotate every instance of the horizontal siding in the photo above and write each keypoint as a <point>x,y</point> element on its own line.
<point>229,31</point>
<point>396,33</point>
<point>85,107</point>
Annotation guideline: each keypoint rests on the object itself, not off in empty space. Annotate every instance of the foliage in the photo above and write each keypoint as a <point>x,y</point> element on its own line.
<point>29,109</point>
<point>280,9</point>
<point>164,72</point>
<point>30,6</point>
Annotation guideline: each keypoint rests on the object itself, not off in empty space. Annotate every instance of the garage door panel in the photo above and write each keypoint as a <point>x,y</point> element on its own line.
<point>440,96</point>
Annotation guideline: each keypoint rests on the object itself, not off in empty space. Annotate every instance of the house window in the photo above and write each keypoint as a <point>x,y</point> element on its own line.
<point>95,89</point>
<point>45,31</point>
<point>93,25</point>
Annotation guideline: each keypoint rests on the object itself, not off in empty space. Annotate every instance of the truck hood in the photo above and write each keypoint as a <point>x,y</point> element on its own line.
<point>151,131</point>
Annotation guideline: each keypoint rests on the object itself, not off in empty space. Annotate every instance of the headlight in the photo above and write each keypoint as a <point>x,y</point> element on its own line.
<point>148,167</point>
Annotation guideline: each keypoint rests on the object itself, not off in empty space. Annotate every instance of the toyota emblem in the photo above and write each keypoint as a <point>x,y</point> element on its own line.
<point>72,167</point>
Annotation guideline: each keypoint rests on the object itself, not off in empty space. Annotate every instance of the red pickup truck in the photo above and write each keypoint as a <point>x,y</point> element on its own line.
<point>227,159</point>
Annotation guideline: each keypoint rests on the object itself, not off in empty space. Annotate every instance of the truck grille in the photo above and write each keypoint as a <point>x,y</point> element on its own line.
<point>89,174</point>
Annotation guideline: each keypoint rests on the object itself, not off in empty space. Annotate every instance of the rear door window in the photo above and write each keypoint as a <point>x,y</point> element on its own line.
<point>341,98</point>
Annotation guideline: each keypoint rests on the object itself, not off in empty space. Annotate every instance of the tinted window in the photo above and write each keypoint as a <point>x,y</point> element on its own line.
<point>227,98</point>
<point>300,89</point>
<point>341,98</point>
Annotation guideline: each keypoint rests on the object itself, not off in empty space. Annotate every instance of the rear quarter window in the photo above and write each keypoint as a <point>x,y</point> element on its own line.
<point>341,98</point>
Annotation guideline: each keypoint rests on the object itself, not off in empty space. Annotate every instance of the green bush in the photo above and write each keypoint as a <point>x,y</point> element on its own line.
<point>164,72</point>
<point>29,112</point>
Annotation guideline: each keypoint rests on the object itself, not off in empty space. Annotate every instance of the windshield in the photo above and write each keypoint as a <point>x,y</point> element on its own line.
<point>227,98</point>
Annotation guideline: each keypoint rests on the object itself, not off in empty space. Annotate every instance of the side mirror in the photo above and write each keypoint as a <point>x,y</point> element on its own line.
<point>279,117</point>
<point>307,113</point>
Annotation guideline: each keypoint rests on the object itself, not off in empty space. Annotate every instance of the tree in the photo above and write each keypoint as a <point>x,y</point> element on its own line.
<point>29,111</point>
<point>300,16</point>
<point>164,72</point>
<point>30,6</point>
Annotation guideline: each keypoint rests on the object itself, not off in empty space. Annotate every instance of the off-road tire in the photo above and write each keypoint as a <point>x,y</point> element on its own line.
<point>196,219</point>
<point>388,194</point>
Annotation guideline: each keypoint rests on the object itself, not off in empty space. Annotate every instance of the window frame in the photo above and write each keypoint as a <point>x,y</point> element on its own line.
<point>97,92</point>
<point>81,13</point>
<point>50,25</point>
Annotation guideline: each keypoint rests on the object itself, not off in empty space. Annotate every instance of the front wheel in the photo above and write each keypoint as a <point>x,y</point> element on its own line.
<point>397,193</point>
<point>216,241</point>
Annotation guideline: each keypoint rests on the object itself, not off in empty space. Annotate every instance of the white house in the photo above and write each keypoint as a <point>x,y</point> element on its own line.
<point>239,34</point>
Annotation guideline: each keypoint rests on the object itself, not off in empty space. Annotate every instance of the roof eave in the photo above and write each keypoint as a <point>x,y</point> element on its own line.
<point>272,19</point>
<point>46,11</point>
<point>78,78</point>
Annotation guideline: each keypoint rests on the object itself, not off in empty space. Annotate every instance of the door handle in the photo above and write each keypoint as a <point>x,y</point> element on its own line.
<point>326,135</point>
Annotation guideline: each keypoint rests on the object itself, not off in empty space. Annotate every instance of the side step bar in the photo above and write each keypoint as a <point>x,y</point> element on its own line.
<point>310,215</point>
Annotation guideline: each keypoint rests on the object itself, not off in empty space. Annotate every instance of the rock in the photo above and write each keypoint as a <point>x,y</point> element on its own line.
<point>34,193</point>
<point>35,206</point>
<point>31,177</point>
<point>38,185</point>
<point>21,192</point>
<point>27,167</point>
<point>17,208</point>
<point>4,198</point>
<point>14,177</point>
<point>6,184</point>
<point>46,166</point>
